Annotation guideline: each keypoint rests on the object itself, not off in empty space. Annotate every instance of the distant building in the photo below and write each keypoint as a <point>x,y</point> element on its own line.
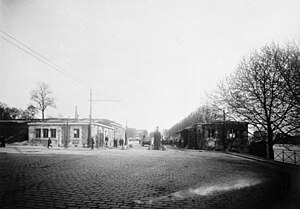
<point>69,133</point>
<point>119,131</point>
<point>218,135</point>
<point>136,134</point>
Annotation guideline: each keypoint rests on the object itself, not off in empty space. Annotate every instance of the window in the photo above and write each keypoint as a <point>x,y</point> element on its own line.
<point>45,133</point>
<point>211,133</point>
<point>76,133</point>
<point>232,133</point>
<point>53,133</point>
<point>38,133</point>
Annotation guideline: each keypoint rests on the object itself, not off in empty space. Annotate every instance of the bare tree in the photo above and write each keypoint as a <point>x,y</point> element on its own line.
<point>291,75</point>
<point>203,114</point>
<point>257,92</point>
<point>42,98</point>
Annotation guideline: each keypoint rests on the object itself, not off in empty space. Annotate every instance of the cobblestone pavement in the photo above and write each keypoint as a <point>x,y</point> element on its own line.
<point>139,178</point>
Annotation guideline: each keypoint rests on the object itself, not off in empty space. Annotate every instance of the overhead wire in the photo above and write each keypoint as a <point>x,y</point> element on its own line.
<point>40,57</point>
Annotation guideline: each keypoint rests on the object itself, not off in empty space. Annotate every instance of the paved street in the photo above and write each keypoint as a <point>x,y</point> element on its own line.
<point>35,177</point>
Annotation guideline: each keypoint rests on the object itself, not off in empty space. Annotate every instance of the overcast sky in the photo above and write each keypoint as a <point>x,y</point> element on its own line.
<point>159,57</point>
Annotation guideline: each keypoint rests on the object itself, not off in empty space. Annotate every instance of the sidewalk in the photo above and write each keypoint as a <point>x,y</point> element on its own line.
<point>264,160</point>
<point>27,149</point>
<point>292,198</point>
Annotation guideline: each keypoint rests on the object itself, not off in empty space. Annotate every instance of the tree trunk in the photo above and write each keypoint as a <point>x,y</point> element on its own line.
<point>42,115</point>
<point>270,146</point>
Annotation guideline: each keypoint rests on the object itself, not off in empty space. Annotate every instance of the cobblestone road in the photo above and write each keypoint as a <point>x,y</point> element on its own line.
<point>139,178</point>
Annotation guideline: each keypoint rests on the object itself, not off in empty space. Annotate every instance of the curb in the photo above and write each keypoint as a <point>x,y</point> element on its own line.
<point>271,162</point>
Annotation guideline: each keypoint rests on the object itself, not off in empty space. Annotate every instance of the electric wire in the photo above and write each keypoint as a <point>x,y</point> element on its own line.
<point>40,57</point>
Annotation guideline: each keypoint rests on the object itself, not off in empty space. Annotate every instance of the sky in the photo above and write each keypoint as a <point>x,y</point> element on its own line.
<point>159,57</point>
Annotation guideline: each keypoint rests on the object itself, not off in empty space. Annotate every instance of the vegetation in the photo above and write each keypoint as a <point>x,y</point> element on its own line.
<point>9,113</point>
<point>204,114</point>
<point>263,91</point>
<point>42,98</point>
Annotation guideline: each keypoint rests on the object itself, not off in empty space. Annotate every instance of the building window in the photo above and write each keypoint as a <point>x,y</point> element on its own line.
<point>211,133</point>
<point>232,133</point>
<point>45,133</point>
<point>53,133</point>
<point>38,133</point>
<point>76,133</point>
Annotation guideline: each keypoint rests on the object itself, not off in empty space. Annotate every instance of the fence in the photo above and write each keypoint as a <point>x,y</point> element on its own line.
<point>287,156</point>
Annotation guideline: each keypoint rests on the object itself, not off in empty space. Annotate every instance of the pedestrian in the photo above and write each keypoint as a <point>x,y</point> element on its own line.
<point>2,142</point>
<point>106,140</point>
<point>115,142</point>
<point>121,142</point>
<point>49,143</point>
<point>92,143</point>
<point>157,139</point>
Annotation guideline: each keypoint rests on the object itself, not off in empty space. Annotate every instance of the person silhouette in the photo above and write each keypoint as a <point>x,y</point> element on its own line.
<point>157,139</point>
<point>49,143</point>
<point>92,143</point>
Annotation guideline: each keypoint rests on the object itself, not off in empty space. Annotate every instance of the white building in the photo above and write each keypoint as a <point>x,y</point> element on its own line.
<point>69,133</point>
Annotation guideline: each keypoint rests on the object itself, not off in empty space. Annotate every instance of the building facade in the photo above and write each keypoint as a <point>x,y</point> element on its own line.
<point>219,135</point>
<point>68,133</point>
<point>119,131</point>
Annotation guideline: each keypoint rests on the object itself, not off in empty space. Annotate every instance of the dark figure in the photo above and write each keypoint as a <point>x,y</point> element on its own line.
<point>92,143</point>
<point>49,143</point>
<point>2,142</point>
<point>157,139</point>
<point>106,140</point>
<point>115,142</point>
<point>121,142</point>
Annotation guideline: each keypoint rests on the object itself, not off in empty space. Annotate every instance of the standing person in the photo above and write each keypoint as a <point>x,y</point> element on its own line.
<point>157,139</point>
<point>92,142</point>
<point>2,141</point>
<point>115,142</point>
<point>106,140</point>
<point>49,143</point>
<point>121,142</point>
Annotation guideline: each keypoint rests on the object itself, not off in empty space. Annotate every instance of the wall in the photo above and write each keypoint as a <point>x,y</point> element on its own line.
<point>56,141</point>
<point>14,131</point>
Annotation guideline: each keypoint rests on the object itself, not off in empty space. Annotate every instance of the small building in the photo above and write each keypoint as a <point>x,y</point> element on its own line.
<point>68,133</point>
<point>218,135</point>
<point>186,138</point>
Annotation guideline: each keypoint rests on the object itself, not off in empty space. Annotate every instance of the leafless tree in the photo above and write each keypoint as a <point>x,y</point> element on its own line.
<point>291,75</point>
<point>257,91</point>
<point>203,114</point>
<point>42,98</point>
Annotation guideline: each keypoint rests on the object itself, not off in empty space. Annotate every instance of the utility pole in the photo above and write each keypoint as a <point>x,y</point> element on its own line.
<point>91,100</point>
<point>91,96</point>
<point>90,120</point>
<point>126,139</point>
<point>76,114</point>
<point>224,130</point>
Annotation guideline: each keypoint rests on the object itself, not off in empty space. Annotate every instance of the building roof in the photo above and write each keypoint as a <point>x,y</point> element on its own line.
<point>221,122</point>
<point>16,121</point>
<point>217,122</point>
<point>185,129</point>
<point>69,122</point>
